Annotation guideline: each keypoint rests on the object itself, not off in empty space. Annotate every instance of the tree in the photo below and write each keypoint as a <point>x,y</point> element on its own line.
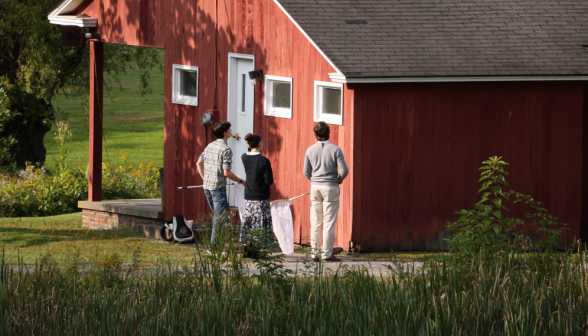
<point>34,67</point>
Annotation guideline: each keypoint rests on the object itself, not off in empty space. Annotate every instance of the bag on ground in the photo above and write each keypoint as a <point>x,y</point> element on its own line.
<point>177,231</point>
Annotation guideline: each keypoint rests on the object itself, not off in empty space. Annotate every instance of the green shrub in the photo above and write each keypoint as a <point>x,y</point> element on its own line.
<point>485,229</point>
<point>34,192</point>
<point>130,180</point>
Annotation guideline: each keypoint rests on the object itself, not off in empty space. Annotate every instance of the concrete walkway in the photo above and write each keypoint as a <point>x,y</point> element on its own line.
<point>301,264</point>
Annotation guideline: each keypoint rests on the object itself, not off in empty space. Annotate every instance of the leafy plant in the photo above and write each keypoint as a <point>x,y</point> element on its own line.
<point>485,228</point>
<point>544,223</point>
<point>269,263</point>
<point>130,180</point>
<point>34,192</point>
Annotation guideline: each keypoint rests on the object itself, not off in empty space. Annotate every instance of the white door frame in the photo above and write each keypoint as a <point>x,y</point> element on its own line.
<point>231,80</point>
<point>232,66</point>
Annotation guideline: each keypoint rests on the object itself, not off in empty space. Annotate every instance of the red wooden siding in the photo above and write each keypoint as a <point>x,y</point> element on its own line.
<point>186,30</point>
<point>584,185</point>
<point>420,145</point>
<point>413,149</point>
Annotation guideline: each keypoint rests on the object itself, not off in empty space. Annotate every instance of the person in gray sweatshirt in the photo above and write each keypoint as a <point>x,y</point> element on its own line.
<point>320,167</point>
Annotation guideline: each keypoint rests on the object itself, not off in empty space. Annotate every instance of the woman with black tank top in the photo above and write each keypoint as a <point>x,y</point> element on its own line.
<point>257,214</point>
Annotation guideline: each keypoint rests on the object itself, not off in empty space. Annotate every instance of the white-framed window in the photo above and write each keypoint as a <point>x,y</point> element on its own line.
<point>328,102</point>
<point>185,85</point>
<point>278,96</point>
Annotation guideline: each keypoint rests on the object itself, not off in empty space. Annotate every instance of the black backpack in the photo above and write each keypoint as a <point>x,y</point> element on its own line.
<point>177,231</point>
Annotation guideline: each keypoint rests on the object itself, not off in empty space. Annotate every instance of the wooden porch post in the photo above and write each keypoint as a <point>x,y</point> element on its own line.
<point>96,90</point>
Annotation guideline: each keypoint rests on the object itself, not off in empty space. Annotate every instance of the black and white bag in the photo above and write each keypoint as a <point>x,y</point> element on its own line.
<point>177,231</point>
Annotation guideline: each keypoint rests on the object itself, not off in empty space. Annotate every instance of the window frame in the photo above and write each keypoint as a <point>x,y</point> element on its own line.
<point>177,98</point>
<point>319,115</point>
<point>269,110</point>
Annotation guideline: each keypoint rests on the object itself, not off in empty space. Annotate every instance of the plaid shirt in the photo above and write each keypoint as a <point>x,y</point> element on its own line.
<point>216,157</point>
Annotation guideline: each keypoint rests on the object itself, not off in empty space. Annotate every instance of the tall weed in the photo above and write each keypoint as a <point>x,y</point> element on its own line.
<point>537,294</point>
<point>488,230</point>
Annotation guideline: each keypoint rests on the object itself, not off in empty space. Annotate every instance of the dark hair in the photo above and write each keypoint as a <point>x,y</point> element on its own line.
<point>322,131</point>
<point>252,140</point>
<point>219,129</point>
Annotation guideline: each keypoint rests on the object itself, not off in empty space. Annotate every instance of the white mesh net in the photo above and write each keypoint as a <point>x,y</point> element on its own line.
<point>283,226</point>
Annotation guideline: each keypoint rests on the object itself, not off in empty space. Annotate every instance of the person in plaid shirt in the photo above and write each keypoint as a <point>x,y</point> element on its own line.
<point>214,166</point>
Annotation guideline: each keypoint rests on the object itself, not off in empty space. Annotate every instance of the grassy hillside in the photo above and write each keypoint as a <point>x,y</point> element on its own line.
<point>131,123</point>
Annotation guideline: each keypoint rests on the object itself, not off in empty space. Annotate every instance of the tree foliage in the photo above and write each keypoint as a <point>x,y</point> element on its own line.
<point>34,67</point>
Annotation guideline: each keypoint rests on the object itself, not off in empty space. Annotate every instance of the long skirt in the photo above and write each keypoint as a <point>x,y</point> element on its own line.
<point>257,215</point>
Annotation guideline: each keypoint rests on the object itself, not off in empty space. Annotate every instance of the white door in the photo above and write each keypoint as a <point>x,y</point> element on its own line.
<point>240,112</point>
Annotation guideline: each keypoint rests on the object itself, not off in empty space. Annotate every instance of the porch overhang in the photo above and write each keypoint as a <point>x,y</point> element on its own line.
<point>63,15</point>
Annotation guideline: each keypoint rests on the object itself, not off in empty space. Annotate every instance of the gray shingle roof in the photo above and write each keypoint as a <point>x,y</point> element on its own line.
<point>406,38</point>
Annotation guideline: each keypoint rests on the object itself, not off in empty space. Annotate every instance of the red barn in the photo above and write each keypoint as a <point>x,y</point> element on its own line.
<point>418,94</point>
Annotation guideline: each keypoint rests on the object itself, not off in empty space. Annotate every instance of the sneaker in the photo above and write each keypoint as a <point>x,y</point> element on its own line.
<point>332,258</point>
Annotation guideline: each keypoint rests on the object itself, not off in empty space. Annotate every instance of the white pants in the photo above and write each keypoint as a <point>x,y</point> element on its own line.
<point>324,208</point>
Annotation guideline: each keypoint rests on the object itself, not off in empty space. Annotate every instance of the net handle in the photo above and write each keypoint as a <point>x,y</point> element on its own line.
<point>287,200</point>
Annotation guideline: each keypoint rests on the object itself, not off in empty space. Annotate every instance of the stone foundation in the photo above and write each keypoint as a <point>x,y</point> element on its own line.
<point>121,213</point>
<point>107,220</point>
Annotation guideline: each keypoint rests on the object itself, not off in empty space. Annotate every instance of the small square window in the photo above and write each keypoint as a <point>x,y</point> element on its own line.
<point>332,101</point>
<point>188,83</point>
<point>328,102</point>
<point>278,96</point>
<point>185,85</point>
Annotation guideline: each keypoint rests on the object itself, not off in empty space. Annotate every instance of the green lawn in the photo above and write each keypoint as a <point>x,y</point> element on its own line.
<point>63,237</point>
<point>131,123</point>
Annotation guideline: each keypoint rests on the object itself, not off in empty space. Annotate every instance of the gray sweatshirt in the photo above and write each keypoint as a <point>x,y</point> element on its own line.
<point>321,162</point>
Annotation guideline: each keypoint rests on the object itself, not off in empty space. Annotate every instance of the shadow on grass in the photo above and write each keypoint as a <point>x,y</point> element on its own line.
<point>27,237</point>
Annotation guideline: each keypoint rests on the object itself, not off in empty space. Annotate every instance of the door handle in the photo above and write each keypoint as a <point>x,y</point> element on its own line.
<point>236,136</point>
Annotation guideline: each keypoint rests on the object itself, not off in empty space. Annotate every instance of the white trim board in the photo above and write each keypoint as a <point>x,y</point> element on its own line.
<point>338,78</point>
<point>306,35</point>
<point>72,20</point>
<point>59,15</point>
<point>233,55</point>
<point>66,7</point>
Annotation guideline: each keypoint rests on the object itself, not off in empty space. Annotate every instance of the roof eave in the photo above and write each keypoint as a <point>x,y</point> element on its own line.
<point>307,36</point>
<point>339,78</point>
